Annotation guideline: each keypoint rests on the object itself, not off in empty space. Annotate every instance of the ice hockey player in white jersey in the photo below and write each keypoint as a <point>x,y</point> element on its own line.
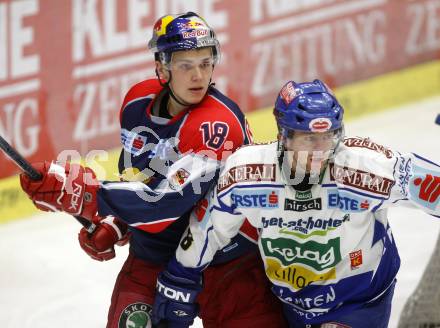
<point>319,200</point>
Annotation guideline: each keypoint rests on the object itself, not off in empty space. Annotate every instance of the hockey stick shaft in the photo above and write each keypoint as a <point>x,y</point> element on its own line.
<point>19,160</point>
<point>27,168</point>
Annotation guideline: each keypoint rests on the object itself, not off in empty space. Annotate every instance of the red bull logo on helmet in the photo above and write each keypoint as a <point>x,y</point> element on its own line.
<point>195,34</point>
<point>321,124</point>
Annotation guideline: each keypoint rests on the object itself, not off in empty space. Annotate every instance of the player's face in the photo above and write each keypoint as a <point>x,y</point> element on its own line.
<point>191,72</point>
<point>310,150</point>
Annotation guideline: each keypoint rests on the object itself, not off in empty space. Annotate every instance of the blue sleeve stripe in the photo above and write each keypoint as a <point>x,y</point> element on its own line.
<point>426,160</point>
<point>361,193</point>
<point>250,186</point>
<point>205,246</point>
<point>374,209</point>
<point>226,209</point>
<point>398,200</point>
<point>329,185</point>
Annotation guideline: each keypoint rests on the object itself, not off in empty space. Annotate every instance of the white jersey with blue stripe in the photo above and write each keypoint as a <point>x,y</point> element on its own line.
<point>327,250</point>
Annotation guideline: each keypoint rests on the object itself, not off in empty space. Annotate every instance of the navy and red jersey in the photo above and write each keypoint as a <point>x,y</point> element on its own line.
<point>174,163</point>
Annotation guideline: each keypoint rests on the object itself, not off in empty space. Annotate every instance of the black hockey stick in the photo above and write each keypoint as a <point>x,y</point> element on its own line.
<point>35,175</point>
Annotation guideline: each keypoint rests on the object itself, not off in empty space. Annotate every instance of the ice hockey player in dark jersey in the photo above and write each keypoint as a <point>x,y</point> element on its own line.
<point>176,131</point>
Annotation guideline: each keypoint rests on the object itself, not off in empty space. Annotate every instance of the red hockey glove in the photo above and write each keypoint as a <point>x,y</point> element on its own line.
<point>99,244</point>
<point>70,188</point>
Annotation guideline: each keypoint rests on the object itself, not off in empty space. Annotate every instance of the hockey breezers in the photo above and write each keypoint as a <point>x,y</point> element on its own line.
<point>27,168</point>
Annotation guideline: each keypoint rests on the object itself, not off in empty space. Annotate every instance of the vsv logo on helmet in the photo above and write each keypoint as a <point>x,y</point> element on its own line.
<point>321,124</point>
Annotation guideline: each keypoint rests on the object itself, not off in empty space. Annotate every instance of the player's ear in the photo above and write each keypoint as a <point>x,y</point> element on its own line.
<point>162,71</point>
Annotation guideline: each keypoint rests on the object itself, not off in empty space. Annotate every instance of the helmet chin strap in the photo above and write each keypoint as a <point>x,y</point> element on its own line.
<point>167,86</point>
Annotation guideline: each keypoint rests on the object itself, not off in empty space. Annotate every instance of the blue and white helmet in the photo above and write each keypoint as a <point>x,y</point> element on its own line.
<point>182,32</point>
<point>307,107</point>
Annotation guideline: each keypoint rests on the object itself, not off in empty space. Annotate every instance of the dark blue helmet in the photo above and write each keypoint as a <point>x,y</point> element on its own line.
<point>182,32</point>
<point>308,107</point>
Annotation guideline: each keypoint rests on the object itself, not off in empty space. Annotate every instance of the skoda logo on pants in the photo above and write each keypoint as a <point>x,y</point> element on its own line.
<point>136,315</point>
